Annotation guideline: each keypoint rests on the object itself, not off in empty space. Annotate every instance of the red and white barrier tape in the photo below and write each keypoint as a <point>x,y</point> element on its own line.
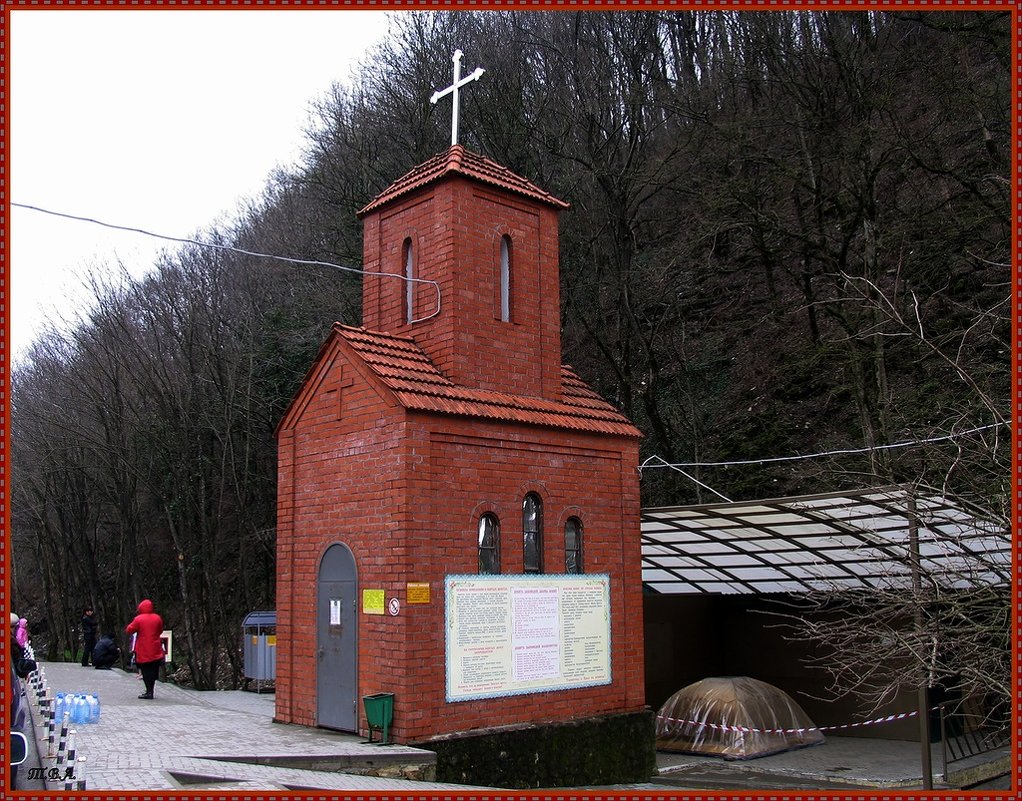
<point>722,727</point>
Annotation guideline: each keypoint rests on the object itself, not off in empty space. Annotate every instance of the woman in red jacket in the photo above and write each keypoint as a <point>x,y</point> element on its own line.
<point>147,628</point>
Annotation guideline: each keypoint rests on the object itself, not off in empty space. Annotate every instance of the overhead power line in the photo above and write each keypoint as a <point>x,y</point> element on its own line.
<point>738,462</point>
<point>648,463</point>
<point>240,251</point>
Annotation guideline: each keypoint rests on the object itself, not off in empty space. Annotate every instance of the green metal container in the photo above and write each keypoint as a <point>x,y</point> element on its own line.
<point>379,714</point>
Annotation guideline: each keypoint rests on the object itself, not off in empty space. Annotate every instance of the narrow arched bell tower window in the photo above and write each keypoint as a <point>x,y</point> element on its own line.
<point>505,279</point>
<point>409,261</point>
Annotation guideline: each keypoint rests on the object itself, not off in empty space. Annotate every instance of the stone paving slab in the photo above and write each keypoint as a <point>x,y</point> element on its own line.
<point>190,740</point>
<point>835,763</point>
<point>189,773</point>
<point>161,743</point>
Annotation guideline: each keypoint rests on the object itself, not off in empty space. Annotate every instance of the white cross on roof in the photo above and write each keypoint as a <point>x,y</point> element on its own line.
<point>453,89</point>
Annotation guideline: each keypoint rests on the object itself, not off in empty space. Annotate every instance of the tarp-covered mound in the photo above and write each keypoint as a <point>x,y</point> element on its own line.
<point>734,718</point>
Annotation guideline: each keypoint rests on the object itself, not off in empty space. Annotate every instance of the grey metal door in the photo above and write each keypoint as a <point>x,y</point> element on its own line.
<point>337,655</point>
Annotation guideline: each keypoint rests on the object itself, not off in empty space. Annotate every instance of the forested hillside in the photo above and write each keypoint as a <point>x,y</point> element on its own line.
<point>789,234</point>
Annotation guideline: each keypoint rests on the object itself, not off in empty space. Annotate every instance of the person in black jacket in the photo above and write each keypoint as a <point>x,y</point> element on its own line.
<point>88,634</point>
<point>106,653</point>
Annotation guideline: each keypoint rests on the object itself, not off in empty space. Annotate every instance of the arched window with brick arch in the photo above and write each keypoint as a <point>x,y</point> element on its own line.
<point>409,266</point>
<point>573,545</point>
<point>532,533</point>
<point>505,279</point>
<point>489,544</point>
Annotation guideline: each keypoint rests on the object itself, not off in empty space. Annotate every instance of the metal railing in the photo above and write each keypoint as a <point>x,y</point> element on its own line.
<point>968,733</point>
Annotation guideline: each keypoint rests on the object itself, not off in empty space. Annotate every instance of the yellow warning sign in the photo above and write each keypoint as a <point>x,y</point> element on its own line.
<point>417,592</point>
<point>372,602</point>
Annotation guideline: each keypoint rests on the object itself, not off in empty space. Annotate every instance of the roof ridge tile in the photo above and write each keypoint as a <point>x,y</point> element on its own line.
<point>407,370</point>
<point>459,161</point>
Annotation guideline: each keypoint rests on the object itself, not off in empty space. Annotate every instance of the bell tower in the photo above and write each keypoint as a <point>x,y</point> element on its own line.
<point>466,257</point>
<point>442,477</point>
<point>465,253</point>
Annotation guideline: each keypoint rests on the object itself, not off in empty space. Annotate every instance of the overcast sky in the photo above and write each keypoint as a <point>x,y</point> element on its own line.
<point>153,119</point>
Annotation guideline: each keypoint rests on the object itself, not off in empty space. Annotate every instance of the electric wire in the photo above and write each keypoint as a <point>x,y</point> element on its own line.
<point>648,463</point>
<point>241,251</point>
<point>690,477</point>
<point>798,457</point>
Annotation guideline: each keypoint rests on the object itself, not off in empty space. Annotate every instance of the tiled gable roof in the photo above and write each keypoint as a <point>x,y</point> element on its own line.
<point>458,161</point>
<point>416,382</point>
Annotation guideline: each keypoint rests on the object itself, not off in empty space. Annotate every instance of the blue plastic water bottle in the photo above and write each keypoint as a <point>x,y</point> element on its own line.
<point>81,709</point>
<point>58,708</point>
<point>93,708</point>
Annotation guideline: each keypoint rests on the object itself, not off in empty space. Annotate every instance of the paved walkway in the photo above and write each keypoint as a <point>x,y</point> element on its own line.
<point>226,740</point>
<point>190,740</point>
<point>837,763</point>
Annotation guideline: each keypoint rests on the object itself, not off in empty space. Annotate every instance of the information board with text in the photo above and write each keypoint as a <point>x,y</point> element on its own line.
<point>508,635</point>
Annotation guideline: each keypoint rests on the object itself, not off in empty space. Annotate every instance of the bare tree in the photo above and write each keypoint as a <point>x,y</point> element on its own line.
<point>789,232</point>
<point>936,614</point>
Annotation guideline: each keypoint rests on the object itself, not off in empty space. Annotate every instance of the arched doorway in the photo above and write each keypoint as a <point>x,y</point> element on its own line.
<point>337,640</point>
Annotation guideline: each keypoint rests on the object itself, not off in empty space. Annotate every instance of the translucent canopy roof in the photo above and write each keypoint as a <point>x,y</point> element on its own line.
<point>847,540</point>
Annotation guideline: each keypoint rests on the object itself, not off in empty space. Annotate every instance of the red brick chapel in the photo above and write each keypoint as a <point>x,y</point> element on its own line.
<point>445,438</point>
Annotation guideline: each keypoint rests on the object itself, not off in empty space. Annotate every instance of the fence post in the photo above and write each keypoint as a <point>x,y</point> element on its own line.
<point>943,740</point>
<point>923,689</point>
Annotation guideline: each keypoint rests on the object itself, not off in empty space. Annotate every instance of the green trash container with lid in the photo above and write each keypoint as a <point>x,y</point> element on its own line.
<point>379,714</point>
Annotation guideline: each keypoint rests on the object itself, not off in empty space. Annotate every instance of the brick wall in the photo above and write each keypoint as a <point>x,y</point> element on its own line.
<point>404,492</point>
<point>455,229</point>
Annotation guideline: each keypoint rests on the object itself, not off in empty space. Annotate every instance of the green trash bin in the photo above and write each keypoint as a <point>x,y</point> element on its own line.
<point>379,714</point>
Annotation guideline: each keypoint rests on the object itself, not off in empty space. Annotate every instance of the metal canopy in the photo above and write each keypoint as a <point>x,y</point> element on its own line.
<point>260,619</point>
<point>847,540</point>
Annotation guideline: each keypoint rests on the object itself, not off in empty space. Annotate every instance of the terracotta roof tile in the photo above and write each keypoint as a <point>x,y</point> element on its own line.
<point>458,161</point>
<point>416,382</point>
